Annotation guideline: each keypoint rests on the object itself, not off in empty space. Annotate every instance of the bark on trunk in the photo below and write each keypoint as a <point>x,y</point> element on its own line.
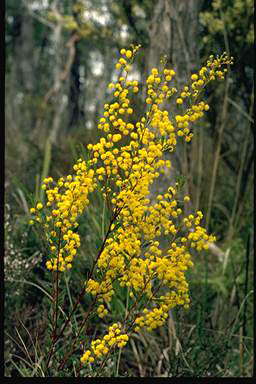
<point>173,32</point>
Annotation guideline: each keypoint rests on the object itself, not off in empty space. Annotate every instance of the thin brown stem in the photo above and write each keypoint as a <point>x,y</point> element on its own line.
<point>72,349</point>
<point>55,312</point>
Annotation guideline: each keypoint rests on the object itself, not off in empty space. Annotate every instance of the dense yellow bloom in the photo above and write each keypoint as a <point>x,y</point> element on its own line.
<point>123,165</point>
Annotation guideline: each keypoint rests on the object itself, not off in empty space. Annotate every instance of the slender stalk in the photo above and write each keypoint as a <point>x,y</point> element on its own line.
<point>223,121</point>
<point>186,172</point>
<point>118,361</point>
<point>46,164</point>
<point>246,283</point>
<point>104,242</point>
<point>217,154</point>
<point>79,299</point>
<point>238,184</point>
<point>241,352</point>
<point>205,287</point>
<point>72,349</point>
<point>199,168</point>
<point>126,312</point>
<point>57,287</point>
<point>103,219</point>
<point>55,313</point>
<point>249,117</point>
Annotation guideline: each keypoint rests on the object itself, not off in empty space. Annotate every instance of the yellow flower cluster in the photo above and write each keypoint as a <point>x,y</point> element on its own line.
<point>213,69</point>
<point>132,256</point>
<point>158,86</point>
<point>127,54</point>
<point>66,200</point>
<point>101,347</point>
<point>123,164</point>
<point>102,311</point>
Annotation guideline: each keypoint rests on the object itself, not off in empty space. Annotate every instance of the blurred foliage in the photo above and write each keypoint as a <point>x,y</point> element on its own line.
<point>236,16</point>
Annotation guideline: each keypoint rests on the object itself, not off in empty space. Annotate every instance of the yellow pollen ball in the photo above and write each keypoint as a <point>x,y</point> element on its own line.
<point>194,77</point>
<point>128,54</point>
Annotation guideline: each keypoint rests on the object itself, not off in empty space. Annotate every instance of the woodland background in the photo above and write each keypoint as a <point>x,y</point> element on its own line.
<point>59,57</point>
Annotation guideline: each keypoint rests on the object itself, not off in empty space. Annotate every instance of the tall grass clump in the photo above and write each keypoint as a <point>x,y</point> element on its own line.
<point>128,262</point>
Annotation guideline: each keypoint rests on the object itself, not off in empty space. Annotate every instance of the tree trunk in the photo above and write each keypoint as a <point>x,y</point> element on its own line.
<point>173,31</point>
<point>74,93</point>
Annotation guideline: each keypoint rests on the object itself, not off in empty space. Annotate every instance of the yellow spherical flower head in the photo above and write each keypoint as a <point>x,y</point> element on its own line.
<point>39,206</point>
